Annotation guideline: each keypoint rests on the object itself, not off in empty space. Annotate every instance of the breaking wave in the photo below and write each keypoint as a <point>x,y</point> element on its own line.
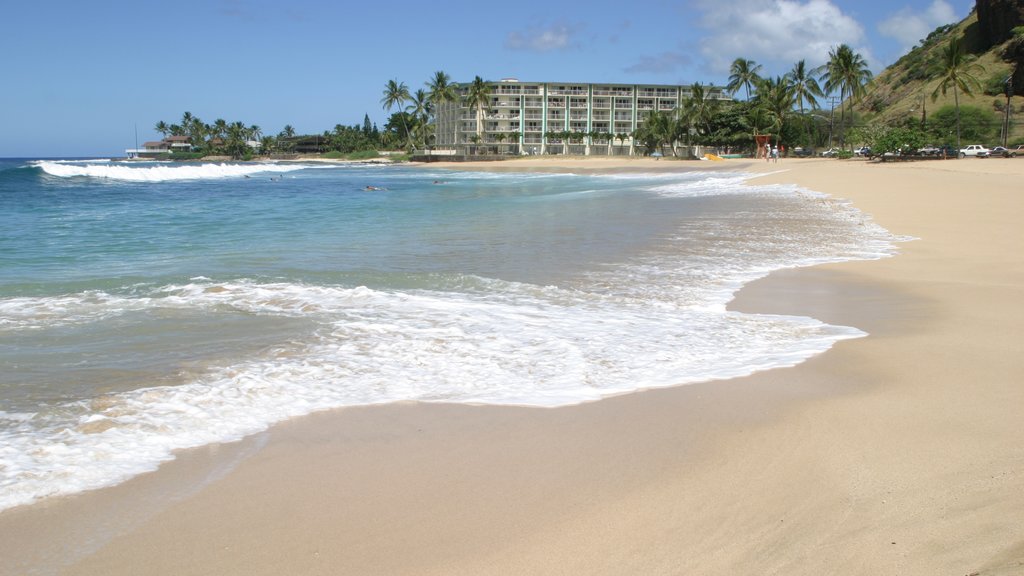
<point>149,172</point>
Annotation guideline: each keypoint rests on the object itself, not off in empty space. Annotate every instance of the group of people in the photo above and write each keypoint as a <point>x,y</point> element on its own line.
<point>771,153</point>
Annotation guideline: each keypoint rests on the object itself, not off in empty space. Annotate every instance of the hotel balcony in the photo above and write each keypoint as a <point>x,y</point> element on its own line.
<point>568,90</point>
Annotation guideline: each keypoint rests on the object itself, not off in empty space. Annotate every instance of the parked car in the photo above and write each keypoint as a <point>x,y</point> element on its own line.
<point>801,152</point>
<point>976,150</point>
<point>831,152</point>
<point>930,151</point>
<point>1002,152</point>
<point>948,151</point>
<point>864,151</point>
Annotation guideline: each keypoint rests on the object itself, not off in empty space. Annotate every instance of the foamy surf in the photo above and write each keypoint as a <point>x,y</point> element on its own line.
<point>162,173</point>
<point>510,345</point>
<point>139,323</point>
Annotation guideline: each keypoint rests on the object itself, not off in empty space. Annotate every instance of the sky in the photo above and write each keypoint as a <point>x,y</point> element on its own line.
<point>82,78</point>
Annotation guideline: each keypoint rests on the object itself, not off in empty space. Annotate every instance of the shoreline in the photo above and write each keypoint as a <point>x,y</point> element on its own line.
<point>894,453</point>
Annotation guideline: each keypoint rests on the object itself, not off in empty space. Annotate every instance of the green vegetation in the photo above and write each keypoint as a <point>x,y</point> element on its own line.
<point>244,143</point>
<point>847,71</point>
<point>959,72</point>
<point>743,73</point>
<point>900,139</point>
<point>976,126</point>
<point>220,138</point>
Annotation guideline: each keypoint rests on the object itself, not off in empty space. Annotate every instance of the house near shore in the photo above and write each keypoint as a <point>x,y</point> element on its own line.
<point>556,117</point>
<point>160,147</point>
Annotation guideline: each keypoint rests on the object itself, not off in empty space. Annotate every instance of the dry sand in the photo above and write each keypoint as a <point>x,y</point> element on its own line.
<point>898,453</point>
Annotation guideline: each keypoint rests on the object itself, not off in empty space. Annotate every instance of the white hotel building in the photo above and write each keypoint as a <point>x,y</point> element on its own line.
<point>533,117</point>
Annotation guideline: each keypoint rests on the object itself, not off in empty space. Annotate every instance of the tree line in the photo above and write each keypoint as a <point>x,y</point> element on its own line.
<point>241,142</point>
<point>788,108</point>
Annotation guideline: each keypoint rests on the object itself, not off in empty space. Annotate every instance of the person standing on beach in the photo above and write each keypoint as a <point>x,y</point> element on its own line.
<point>775,154</point>
<point>767,152</point>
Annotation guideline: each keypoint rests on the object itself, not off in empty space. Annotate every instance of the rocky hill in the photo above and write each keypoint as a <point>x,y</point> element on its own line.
<point>994,38</point>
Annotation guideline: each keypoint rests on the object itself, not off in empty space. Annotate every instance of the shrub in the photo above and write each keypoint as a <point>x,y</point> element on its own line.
<point>995,85</point>
<point>976,125</point>
<point>363,155</point>
<point>900,139</point>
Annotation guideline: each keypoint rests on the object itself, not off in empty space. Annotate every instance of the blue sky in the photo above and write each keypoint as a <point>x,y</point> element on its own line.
<point>80,76</point>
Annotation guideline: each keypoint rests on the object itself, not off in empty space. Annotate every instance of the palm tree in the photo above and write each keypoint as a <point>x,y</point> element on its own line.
<point>743,73</point>
<point>441,92</point>
<point>419,108</point>
<point>847,71</point>
<point>683,119</point>
<point>478,97</point>
<point>196,130</point>
<point>804,84</point>
<point>162,128</point>
<point>396,94</point>
<point>776,98</point>
<point>235,144</point>
<point>288,131</point>
<point>656,130</point>
<point>699,109</point>
<point>220,127</point>
<point>958,71</point>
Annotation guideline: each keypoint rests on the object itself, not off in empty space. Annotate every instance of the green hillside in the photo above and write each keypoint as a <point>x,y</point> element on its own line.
<point>903,92</point>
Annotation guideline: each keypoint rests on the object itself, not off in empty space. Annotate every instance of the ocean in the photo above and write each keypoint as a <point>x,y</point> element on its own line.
<point>151,307</point>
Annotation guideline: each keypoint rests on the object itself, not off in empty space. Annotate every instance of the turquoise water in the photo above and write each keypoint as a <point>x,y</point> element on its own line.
<point>149,307</point>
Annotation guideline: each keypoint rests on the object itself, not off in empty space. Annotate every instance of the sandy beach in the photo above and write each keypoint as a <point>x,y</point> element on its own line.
<point>897,453</point>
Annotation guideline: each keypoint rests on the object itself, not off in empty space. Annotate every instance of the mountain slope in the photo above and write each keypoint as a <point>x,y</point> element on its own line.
<point>904,90</point>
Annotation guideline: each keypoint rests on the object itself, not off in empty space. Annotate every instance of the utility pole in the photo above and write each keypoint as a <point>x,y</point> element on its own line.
<point>831,119</point>
<point>1006,119</point>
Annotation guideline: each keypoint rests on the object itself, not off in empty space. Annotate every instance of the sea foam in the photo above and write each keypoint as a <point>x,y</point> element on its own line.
<point>656,317</point>
<point>162,173</point>
<point>511,344</point>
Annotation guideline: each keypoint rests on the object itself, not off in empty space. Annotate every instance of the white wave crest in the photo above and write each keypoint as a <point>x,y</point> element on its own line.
<point>150,173</point>
<point>519,345</point>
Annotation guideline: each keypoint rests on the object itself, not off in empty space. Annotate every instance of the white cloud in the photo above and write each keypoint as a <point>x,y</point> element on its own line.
<point>541,38</point>
<point>661,63</point>
<point>908,26</point>
<point>775,33</point>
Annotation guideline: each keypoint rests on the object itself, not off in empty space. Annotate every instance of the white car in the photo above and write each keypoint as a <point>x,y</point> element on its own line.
<point>830,152</point>
<point>975,150</point>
